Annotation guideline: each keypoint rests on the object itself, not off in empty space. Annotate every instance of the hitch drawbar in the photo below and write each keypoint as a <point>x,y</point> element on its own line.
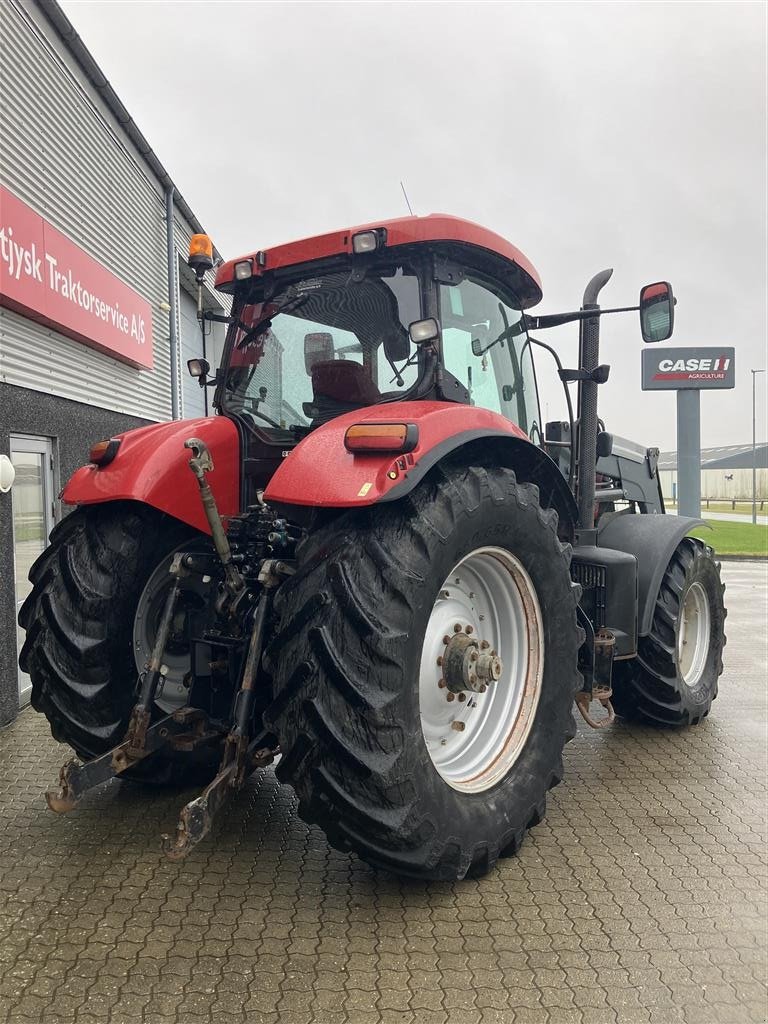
<point>188,727</point>
<point>184,730</point>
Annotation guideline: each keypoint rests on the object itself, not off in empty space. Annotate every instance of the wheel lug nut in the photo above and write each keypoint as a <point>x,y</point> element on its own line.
<point>468,630</point>
<point>457,627</point>
<point>446,639</point>
<point>473,656</point>
<point>484,645</point>
<point>440,659</point>
<point>450,696</point>
<point>462,697</point>
<point>472,679</point>
<point>483,688</point>
<point>441,683</point>
<point>458,726</point>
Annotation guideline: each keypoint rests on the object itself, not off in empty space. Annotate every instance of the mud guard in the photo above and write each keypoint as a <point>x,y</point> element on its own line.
<point>152,466</point>
<point>321,473</point>
<point>652,539</point>
<point>529,462</point>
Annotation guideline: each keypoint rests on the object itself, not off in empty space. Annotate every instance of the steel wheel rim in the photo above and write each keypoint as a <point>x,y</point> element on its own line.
<point>693,634</point>
<point>178,658</point>
<point>496,597</point>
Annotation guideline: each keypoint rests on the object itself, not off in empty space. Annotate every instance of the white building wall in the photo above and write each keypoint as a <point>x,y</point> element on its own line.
<point>63,155</point>
<point>715,484</point>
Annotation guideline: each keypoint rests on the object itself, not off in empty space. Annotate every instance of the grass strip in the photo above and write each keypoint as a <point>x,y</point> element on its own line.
<point>735,538</point>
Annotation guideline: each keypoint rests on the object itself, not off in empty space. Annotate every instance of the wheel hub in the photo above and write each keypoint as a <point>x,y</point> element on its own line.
<point>481,669</point>
<point>468,664</point>
<point>693,637</point>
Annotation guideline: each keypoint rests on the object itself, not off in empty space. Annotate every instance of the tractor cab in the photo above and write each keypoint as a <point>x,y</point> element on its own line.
<point>426,308</point>
<point>331,343</point>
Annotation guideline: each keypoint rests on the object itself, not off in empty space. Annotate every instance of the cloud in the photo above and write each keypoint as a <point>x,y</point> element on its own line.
<point>628,135</point>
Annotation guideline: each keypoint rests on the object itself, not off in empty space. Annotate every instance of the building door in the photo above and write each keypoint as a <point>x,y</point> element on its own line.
<point>32,497</point>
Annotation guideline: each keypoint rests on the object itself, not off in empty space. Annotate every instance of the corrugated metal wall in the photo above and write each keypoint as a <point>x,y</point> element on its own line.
<point>61,154</point>
<point>726,484</point>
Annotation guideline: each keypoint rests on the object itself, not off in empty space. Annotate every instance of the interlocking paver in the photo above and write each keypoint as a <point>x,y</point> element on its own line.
<point>642,899</point>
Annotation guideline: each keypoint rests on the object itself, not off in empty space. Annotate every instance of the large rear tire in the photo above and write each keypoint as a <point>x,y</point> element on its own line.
<point>79,619</point>
<point>673,680</point>
<point>368,734</point>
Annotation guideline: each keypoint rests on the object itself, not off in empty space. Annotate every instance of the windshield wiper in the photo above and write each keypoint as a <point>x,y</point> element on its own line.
<point>266,322</point>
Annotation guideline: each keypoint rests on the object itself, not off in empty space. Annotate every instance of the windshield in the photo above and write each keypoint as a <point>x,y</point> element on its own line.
<point>322,346</point>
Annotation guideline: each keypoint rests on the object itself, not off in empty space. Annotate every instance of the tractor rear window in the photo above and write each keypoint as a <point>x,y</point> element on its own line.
<point>323,346</point>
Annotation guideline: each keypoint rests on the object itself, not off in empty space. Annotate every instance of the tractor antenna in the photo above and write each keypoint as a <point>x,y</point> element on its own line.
<point>402,186</point>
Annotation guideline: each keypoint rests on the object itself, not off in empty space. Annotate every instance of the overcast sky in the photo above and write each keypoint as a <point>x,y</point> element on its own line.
<point>629,135</point>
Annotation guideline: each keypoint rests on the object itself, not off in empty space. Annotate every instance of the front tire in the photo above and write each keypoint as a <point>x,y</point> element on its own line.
<point>80,630</point>
<point>359,710</point>
<point>673,680</point>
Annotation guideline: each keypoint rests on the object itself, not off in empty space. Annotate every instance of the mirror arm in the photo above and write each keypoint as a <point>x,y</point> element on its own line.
<point>538,323</point>
<point>217,317</point>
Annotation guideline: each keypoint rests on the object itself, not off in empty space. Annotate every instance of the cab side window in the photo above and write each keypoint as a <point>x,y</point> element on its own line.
<point>482,349</point>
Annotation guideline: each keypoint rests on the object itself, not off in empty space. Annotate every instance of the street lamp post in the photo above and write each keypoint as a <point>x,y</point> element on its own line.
<point>754,450</point>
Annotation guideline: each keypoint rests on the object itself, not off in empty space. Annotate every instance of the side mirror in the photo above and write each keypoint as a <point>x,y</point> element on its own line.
<point>397,346</point>
<point>657,311</point>
<point>199,368</point>
<point>421,332</point>
<point>604,446</point>
<point>318,348</point>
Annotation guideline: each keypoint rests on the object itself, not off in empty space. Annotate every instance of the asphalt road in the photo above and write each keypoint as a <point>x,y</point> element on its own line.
<point>728,517</point>
<point>640,900</point>
<point>734,517</point>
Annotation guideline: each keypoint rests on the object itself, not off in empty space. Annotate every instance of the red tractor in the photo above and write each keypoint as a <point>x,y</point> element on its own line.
<point>374,564</point>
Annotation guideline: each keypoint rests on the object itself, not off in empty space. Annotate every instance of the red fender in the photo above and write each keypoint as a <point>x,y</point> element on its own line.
<point>152,466</point>
<point>320,472</point>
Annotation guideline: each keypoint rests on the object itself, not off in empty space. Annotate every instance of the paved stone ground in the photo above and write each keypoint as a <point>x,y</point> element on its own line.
<point>640,899</point>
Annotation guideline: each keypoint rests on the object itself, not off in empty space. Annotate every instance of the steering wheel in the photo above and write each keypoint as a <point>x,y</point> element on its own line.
<point>255,411</point>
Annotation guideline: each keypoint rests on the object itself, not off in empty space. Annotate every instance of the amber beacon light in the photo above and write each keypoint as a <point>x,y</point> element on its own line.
<point>200,255</point>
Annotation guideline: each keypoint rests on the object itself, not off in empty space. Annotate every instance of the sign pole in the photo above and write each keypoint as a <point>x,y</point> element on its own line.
<point>754,450</point>
<point>689,452</point>
<point>688,371</point>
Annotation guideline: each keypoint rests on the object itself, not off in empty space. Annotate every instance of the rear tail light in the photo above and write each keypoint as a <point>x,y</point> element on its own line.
<point>381,437</point>
<point>103,452</point>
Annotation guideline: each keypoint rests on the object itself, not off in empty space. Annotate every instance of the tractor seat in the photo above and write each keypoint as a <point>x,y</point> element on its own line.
<point>339,386</point>
<point>344,381</point>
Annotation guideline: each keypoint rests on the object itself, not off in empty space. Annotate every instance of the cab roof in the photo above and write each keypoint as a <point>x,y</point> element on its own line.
<point>461,237</point>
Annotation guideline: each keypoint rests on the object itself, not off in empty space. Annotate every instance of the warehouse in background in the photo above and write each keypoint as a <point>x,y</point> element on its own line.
<point>726,473</point>
<point>98,309</point>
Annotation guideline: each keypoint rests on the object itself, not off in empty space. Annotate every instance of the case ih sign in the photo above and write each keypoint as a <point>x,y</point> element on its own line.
<point>672,369</point>
<point>47,277</point>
